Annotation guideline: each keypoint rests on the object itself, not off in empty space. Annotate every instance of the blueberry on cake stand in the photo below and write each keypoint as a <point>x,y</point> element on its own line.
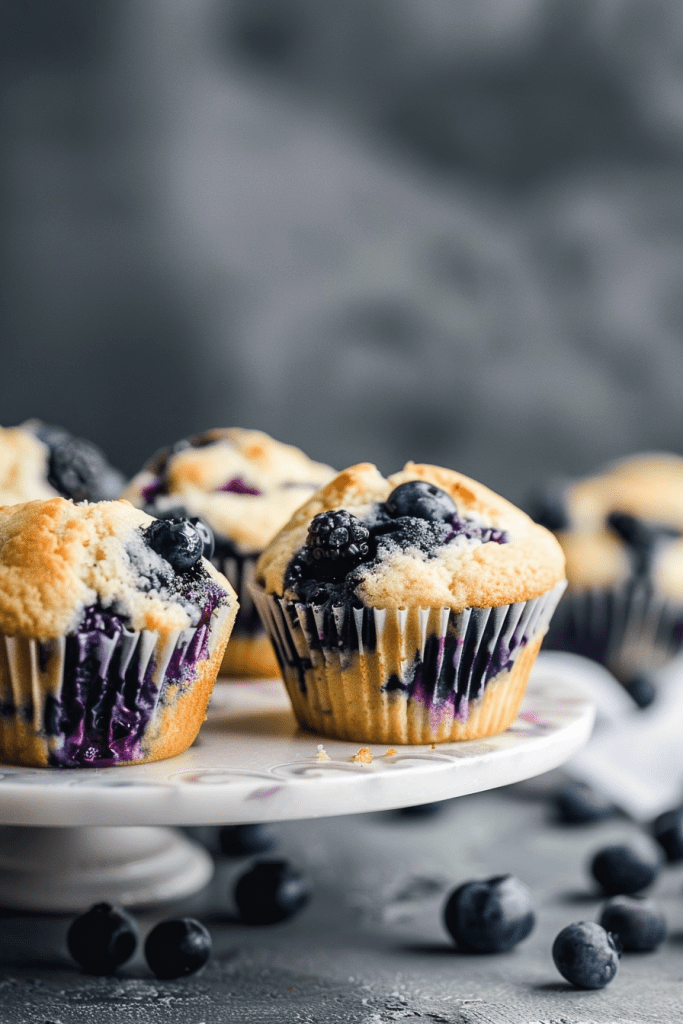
<point>72,837</point>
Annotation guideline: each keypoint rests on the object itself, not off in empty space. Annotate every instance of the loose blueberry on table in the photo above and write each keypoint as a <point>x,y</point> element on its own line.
<point>242,840</point>
<point>625,868</point>
<point>637,923</point>
<point>668,831</point>
<point>586,955</point>
<point>270,892</point>
<point>102,939</point>
<point>491,915</point>
<point>177,947</point>
<point>579,804</point>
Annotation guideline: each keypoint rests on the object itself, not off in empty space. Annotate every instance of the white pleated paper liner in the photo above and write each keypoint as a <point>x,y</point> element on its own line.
<point>249,652</point>
<point>628,629</point>
<point>409,675</point>
<point>93,700</point>
<point>240,570</point>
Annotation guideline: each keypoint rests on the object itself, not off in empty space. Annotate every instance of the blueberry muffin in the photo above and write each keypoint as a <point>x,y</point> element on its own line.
<point>40,462</point>
<point>245,486</point>
<point>112,630</point>
<point>622,535</point>
<point>408,610</point>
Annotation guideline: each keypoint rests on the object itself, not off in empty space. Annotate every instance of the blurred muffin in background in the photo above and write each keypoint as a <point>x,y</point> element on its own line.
<point>39,461</point>
<point>621,532</point>
<point>245,486</point>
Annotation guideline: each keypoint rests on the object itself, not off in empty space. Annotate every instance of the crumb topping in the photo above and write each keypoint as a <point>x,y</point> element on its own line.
<point>58,558</point>
<point>476,550</point>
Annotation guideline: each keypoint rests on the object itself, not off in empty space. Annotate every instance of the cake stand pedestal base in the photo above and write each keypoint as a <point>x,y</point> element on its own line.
<point>68,869</point>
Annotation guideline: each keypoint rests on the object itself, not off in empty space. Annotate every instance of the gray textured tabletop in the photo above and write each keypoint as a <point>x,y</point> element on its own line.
<point>370,946</point>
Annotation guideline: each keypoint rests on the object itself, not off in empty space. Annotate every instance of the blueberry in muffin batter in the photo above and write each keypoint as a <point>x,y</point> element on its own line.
<point>406,597</point>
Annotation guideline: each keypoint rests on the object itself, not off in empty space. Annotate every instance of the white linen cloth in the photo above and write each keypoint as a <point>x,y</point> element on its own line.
<point>635,756</point>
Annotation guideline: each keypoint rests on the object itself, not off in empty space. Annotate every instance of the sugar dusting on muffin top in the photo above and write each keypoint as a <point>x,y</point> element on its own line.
<point>58,558</point>
<point>450,543</point>
<point>627,518</point>
<point>242,482</point>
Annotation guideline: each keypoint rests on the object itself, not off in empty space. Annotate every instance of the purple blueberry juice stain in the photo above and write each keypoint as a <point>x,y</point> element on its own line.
<point>108,697</point>
<point>239,486</point>
<point>463,712</point>
<point>485,534</point>
<point>455,671</point>
<point>265,793</point>
<point>153,490</point>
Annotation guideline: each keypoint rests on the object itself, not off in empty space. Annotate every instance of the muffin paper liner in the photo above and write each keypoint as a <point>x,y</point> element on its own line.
<point>241,572</point>
<point>92,699</point>
<point>628,629</point>
<point>410,675</point>
<point>249,652</point>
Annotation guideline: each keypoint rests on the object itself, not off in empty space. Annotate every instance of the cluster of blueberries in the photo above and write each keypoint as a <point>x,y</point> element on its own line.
<point>496,914</point>
<point>416,514</point>
<point>493,915</point>
<point>106,936</point>
<point>483,916</point>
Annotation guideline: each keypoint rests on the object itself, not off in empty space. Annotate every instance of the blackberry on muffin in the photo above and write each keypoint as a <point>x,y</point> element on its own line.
<point>408,610</point>
<point>244,486</point>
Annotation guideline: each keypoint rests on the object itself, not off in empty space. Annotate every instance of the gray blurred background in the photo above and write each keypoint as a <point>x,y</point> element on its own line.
<point>445,230</point>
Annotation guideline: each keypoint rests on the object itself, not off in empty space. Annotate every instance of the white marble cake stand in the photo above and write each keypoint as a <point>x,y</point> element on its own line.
<point>250,763</point>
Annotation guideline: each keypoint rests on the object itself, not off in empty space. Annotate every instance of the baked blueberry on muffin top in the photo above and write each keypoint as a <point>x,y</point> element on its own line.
<point>425,585</point>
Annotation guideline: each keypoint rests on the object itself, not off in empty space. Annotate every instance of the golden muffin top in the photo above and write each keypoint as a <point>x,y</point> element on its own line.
<point>58,558</point>
<point>443,541</point>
